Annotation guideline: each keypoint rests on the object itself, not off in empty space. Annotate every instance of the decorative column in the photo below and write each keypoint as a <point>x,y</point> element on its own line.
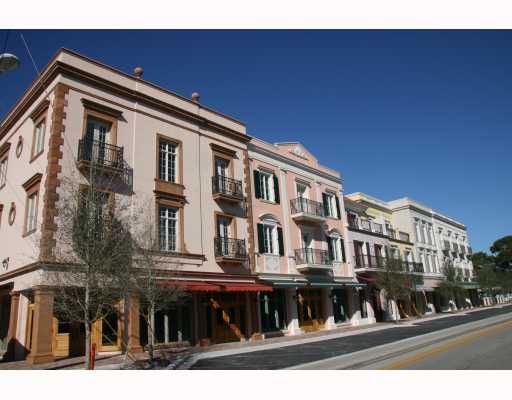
<point>12,341</point>
<point>133,325</point>
<point>327,308</point>
<point>292,314</point>
<point>41,351</point>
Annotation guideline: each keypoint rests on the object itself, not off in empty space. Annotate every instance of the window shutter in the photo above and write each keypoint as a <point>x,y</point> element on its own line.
<point>280,240</point>
<point>261,239</point>
<point>330,248</point>
<point>276,189</point>
<point>324,201</point>
<point>343,258</point>
<point>338,207</point>
<point>257,185</point>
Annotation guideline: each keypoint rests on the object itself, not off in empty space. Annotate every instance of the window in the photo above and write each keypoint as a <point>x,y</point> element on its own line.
<point>168,228</point>
<point>266,186</point>
<point>3,172</point>
<point>32,188</point>
<point>270,238</point>
<point>168,161</point>
<point>37,145</point>
<point>417,230</point>
<point>331,205</point>
<point>336,248</point>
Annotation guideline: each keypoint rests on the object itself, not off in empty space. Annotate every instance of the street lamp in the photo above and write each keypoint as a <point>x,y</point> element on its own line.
<point>8,62</point>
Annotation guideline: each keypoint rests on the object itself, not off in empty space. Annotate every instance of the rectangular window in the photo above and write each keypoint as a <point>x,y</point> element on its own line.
<point>168,228</point>
<point>336,246</point>
<point>267,186</point>
<point>37,146</point>
<point>269,239</point>
<point>31,213</point>
<point>3,172</point>
<point>168,161</point>
<point>330,205</point>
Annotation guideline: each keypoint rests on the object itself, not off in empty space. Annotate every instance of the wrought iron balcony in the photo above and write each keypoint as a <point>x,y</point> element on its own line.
<point>100,153</point>
<point>230,250</point>
<point>366,225</point>
<point>228,189</point>
<point>391,233</point>
<point>312,259</point>
<point>414,267</point>
<point>377,228</point>
<point>369,261</point>
<point>307,210</point>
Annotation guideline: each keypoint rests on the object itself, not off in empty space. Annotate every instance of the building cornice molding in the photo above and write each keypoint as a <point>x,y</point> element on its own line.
<point>255,150</point>
<point>56,67</point>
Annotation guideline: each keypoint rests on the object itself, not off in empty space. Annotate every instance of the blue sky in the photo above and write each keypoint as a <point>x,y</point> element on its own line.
<point>423,114</point>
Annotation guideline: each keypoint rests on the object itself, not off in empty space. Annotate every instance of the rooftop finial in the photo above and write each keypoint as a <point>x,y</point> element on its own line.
<point>195,97</point>
<point>138,71</point>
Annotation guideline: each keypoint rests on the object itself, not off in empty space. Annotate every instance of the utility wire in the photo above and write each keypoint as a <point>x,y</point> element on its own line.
<point>66,141</point>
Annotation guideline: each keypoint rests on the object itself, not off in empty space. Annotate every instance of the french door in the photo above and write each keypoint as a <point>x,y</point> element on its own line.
<point>98,136</point>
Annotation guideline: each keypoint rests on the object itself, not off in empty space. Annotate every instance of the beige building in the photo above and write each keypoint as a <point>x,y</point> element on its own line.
<point>190,161</point>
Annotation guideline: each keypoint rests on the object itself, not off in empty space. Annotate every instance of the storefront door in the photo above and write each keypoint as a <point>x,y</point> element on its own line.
<point>309,303</point>
<point>227,317</point>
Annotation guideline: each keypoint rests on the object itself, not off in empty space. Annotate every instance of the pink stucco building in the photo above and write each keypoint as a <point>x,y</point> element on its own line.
<point>300,231</point>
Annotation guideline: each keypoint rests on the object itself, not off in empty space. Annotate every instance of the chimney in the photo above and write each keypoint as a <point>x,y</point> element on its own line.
<point>138,71</point>
<point>195,97</point>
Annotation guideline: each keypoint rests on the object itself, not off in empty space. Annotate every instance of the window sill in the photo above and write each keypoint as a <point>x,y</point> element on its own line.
<point>36,156</point>
<point>268,201</point>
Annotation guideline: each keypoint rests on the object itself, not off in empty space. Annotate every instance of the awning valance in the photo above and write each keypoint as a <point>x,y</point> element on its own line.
<point>248,287</point>
<point>193,286</point>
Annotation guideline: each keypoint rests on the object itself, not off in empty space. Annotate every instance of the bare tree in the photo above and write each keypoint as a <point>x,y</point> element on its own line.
<point>94,251</point>
<point>153,277</point>
<point>450,288</point>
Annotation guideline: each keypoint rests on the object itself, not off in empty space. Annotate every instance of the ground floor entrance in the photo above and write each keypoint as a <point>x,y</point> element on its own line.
<point>309,304</point>
<point>340,305</point>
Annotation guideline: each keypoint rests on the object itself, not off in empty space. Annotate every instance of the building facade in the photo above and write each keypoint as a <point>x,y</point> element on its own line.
<point>300,233</point>
<point>260,235</point>
<point>438,241</point>
<point>374,239</point>
<point>185,163</point>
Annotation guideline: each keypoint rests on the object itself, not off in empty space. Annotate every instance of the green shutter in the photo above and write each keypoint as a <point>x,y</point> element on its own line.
<point>324,201</point>
<point>338,207</point>
<point>343,258</point>
<point>280,240</point>
<point>276,189</point>
<point>261,239</point>
<point>330,248</point>
<point>257,185</point>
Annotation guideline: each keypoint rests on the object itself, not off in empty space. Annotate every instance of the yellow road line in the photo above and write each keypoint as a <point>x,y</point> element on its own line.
<point>448,346</point>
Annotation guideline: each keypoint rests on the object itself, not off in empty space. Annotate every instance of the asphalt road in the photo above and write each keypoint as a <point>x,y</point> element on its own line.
<point>489,348</point>
<point>291,356</point>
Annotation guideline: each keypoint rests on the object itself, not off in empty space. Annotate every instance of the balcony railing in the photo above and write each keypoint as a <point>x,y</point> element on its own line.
<point>366,225</point>
<point>227,186</point>
<point>100,153</point>
<point>391,233</point>
<point>312,256</point>
<point>414,267</point>
<point>377,228</point>
<point>230,248</point>
<point>365,261</point>
<point>306,206</point>
<point>352,221</point>
<point>446,245</point>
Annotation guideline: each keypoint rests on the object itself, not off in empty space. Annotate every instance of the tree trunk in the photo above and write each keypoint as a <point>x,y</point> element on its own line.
<point>151,336</point>
<point>87,329</point>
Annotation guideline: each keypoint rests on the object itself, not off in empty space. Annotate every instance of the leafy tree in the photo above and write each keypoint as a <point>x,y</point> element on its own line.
<point>502,250</point>
<point>451,288</point>
<point>395,280</point>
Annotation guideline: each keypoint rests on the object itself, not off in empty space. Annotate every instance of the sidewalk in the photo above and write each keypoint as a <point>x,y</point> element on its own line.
<point>182,358</point>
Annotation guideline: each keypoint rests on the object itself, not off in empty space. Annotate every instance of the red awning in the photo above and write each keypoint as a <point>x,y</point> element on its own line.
<point>249,287</point>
